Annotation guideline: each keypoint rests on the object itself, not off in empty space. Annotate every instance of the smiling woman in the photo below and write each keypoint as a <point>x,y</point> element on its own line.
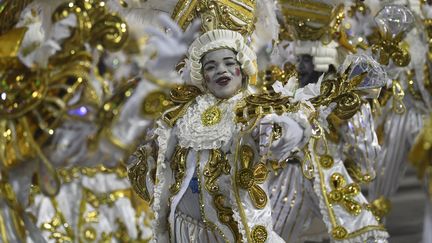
<point>222,74</point>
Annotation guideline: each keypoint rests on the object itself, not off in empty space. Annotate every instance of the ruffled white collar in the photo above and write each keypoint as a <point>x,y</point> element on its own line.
<point>192,132</point>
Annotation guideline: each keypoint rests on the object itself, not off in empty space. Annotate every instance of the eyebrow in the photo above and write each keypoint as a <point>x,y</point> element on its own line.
<point>228,58</point>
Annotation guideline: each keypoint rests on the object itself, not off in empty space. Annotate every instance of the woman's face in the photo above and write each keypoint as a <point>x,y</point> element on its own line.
<point>222,73</point>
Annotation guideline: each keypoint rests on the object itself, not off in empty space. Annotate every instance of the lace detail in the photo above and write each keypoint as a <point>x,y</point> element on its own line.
<point>192,133</point>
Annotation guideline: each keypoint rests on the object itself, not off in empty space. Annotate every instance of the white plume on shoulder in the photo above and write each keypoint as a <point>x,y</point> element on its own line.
<point>267,26</point>
<point>144,12</point>
<point>43,38</point>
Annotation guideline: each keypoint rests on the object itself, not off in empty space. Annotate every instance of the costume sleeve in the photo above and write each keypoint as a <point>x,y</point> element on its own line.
<point>150,177</point>
<point>345,211</point>
<point>360,144</point>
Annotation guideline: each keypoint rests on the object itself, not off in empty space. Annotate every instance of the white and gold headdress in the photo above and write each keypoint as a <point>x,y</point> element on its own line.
<point>226,24</point>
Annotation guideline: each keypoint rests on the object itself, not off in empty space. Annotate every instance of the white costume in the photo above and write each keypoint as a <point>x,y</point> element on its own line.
<point>207,171</point>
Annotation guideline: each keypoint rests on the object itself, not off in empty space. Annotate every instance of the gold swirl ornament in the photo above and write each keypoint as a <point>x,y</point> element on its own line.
<point>155,104</point>
<point>249,177</point>
<point>342,91</point>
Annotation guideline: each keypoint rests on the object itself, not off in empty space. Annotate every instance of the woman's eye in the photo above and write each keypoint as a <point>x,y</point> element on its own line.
<point>209,68</point>
<point>230,63</point>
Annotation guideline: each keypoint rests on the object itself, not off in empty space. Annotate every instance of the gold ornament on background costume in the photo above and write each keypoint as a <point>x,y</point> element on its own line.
<point>10,12</point>
<point>90,202</point>
<point>233,15</point>
<point>421,153</point>
<point>394,22</point>
<point>337,192</point>
<point>316,21</point>
<point>36,101</point>
<point>380,207</point>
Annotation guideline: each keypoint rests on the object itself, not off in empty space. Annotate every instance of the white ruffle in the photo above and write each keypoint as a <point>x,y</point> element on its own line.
<point>190,230</point>
<point>301,118</point>
<point>289,89</point>
<point>377,235</point>
<point>236,216</point>
<point>163,133</point>
<point>38,46</point>
<point>309,91</point>
<point>193,134</point>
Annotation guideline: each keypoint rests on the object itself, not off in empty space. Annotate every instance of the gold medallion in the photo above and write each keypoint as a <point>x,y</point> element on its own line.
<point>211,116</point>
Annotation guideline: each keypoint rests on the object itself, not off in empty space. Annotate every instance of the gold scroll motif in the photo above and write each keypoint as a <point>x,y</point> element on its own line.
<point>343,194</point>
<point>342,91</point>
<point>215,167</point>
<point>138,173</point>
<point>391,49</point>
<point>178,166</point>
<point>249,177</point>
<point>256,106</point>
<point>398,93</point>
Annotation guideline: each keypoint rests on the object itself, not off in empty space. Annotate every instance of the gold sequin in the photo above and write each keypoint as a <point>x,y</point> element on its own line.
<point>326,161</point>
<point>339,232</point>
<point>259,234</point>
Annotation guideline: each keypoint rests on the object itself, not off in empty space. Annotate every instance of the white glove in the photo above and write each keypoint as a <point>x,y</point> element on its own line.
<point>291,135</point>
<point>171,45</point>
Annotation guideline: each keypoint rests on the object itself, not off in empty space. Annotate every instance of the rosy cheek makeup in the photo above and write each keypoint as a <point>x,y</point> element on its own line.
<point>237,71</point>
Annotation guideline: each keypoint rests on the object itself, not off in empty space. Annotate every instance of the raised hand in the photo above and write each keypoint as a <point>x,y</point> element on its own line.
<point>172,44</point>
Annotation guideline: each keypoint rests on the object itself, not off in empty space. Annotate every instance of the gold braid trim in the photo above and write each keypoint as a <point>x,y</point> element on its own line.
<point>178,166</point>
<point>183,97</point>
<point>215,167</point>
